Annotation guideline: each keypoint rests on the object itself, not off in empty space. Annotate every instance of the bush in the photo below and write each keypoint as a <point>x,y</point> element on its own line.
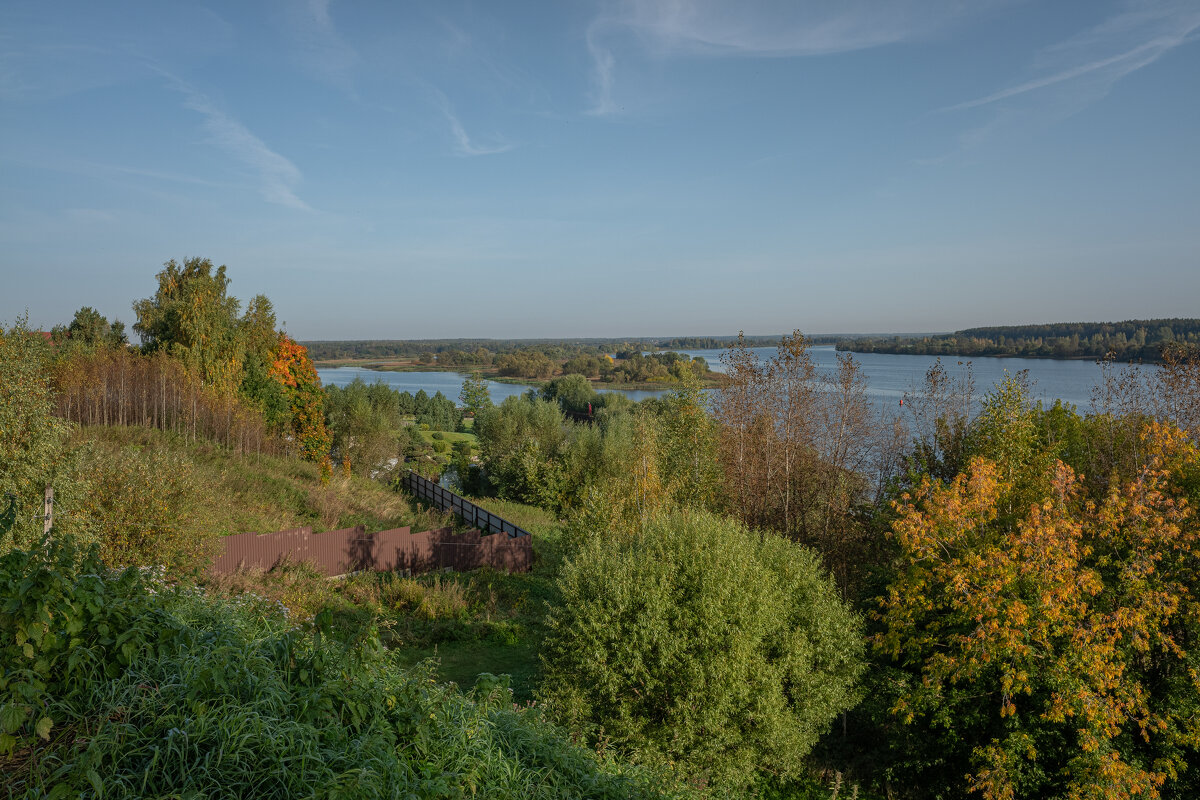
<point>149,507</point>
<point>701,643</point>
<point>441,446</point>
<point>437,435</point>
<point>33,451</point>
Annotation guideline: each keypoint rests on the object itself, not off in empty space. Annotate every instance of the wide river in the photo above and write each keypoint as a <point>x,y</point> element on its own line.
<point>888,376</point>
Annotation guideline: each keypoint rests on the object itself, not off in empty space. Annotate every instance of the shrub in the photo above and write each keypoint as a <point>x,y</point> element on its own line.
<point>33,451</point>
<point>702,643</point>
<point>148,506</point>
<point>438,435</point>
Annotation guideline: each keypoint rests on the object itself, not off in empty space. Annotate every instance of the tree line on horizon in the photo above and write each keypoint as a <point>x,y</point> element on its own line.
<point>1132,340</point>
<point>475,352</point>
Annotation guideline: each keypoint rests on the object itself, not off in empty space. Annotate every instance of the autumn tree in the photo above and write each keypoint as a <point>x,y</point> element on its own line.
<point>937,415</point>
<point>798,448</point>
<point>746,443</point>
<point>292,367</point>
<point>1052,646</point>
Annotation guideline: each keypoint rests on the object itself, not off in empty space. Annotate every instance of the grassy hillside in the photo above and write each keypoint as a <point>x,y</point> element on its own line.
<point>483,621</point>
<point>456,625</point>
<point>202,696</point>
<point>249,492</point>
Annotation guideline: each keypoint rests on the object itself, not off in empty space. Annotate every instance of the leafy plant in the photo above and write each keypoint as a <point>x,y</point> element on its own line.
<point>65,622</point>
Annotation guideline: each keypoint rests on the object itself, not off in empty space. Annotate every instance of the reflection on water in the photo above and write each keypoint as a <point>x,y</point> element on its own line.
<point>890,376</point>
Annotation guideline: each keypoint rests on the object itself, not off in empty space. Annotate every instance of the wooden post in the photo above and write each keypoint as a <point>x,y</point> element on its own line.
<point>48,512</point>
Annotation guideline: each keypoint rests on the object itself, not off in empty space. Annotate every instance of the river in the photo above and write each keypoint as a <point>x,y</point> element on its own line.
<point>448,383</point>
<point>888,376</point>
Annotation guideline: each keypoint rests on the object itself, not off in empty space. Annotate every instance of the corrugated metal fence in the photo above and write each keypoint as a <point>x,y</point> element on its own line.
<point>470,513</point>
<point>354,550</point>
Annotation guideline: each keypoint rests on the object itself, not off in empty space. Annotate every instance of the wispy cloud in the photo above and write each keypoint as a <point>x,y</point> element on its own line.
<point>1090,63</point>
<point>759,28</point>
<point>322,49</point>
<point>464,144</point>
<point>278,177</point>
<point>603,65</point>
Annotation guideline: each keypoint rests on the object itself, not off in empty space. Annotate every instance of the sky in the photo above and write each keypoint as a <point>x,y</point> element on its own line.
<point>629,168</point>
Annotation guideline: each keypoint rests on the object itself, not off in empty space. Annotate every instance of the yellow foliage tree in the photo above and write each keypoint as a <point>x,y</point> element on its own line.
<point>1059,649</point>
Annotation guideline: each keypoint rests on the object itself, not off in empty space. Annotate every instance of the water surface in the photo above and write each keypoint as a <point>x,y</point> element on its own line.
<point>889,376</point>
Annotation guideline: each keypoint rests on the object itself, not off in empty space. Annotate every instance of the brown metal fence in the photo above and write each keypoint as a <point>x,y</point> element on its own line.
<point>470,513</point>
<point>354,550</point>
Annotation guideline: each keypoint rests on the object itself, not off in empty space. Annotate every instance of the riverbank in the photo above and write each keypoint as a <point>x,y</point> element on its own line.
<point>916,351</point>
<point>713,380</point>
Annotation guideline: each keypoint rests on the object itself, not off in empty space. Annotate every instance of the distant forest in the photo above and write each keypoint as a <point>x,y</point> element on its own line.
<point>1131,340</point>
<point>473,351</point>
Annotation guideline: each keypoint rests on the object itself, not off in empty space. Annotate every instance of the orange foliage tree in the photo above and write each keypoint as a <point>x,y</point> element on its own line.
<point>292,367</point>
<point>1058,649</point>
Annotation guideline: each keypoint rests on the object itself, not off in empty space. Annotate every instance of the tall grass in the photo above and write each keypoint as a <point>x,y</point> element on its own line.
<point>260,492</point>
<point>219,697</point>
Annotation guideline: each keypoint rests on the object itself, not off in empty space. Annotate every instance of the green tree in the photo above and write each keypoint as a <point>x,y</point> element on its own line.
<point>474,395</point>
<point>194,318</point>
<point>257,327</point>
<point>689,459</point>
<point>365,423</point>
<point>89,327</point>
<point>266,392</point>
<point>521,441</point>
<point>573,393</point>
<point>700,643</point>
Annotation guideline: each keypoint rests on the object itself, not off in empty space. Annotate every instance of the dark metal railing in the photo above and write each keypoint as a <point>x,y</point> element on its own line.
<point>470,513</point>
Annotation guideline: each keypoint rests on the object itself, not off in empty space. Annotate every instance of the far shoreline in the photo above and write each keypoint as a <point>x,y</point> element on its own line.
<point>711,380</point>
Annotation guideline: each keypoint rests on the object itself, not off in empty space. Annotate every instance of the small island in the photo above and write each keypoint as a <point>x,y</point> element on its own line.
<point>608,363</point>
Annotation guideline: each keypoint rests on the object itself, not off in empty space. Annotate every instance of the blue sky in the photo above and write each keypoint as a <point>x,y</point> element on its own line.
<point>408,170</point>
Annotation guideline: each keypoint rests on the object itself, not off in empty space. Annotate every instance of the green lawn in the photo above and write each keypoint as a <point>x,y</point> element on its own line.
<point>452,437</point>
<point>462,662</point>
